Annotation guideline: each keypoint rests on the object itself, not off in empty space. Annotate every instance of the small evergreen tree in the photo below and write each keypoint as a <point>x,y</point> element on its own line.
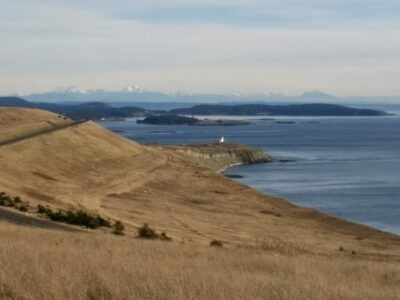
<point>146,232</point>
<point>119,228</point>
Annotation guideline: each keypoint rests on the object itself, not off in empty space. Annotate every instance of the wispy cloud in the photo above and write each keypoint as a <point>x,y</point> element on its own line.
<point>343,47</point>
<point>283,13</point>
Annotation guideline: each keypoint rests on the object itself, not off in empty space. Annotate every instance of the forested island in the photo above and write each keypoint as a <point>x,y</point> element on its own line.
<point>78,111</point>
<point>103,110</point>
<point>169,119</point>
<point>279,110</point>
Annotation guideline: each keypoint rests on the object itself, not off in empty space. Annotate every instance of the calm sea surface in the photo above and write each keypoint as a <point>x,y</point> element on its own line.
<point>348,167</point>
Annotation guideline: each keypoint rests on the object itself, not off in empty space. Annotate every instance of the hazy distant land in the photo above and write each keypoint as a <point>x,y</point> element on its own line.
<point>268,243</point>
<point>100,110</point>
<point>173,119</point>
<point>318,109</point>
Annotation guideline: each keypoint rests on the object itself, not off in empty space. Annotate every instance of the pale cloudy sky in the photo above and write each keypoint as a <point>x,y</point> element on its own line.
<point>343,47</point>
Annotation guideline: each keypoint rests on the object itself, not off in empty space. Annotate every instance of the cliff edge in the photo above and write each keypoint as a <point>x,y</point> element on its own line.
<point>220,156</point>
<point>87,167</point>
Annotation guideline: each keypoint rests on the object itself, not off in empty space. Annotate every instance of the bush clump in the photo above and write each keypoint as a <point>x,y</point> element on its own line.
<point>16,202</point>
<point>72,217</point>
<point>118,228</point>
<point>146,232</point>
<point>23,207</point>
<point>216,243</point>
<point>43,209</point>
<point>6,200</point>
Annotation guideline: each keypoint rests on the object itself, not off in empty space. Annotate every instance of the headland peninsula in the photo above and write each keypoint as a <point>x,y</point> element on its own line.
<point>156,222</point>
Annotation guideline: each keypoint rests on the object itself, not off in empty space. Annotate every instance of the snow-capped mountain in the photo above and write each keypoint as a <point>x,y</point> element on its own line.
<point>135,94</point>
<point>69,90</point>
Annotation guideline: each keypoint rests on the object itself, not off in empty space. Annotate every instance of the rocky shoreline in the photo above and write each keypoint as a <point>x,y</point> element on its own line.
<point>220,156</point>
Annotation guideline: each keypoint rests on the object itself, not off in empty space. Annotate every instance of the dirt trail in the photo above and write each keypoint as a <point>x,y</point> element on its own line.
<point>20,219</point>
<point>39,133</point>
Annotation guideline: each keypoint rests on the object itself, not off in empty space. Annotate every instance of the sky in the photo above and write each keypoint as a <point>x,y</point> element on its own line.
<point>342,47</point>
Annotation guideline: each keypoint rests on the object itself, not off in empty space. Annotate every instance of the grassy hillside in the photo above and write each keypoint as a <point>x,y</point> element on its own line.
<point>92,168</point>
<point>18,123</point>
<point>270,247</point>
<point>11,117</point>
<point>40,264</point>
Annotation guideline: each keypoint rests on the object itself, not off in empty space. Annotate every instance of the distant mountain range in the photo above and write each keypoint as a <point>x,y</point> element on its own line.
<point>134,95</point>
<point>99,110</point>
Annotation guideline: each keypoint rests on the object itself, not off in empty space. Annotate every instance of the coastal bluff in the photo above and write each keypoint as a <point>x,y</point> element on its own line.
<point>220,156</point>
<point>87,167</point>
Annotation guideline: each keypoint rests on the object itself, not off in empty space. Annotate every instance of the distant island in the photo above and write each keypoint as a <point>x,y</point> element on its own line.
<point>105,111</point>
<point>88,110</point>
<point>169,119</point>
<point>317,109</point>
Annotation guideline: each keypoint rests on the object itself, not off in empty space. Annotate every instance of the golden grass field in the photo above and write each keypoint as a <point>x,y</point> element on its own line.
<point>41,264</point>
<point>272,249</point>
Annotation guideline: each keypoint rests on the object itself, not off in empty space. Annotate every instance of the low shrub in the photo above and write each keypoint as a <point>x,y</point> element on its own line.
<point>103,222</point>
<point>79,217</point>
<point>6,200</point>
<point>165,237</point>
<point>43,209</point>
<point>119,228</point>
<point>72,217</point>
<point>23,207</point>
<point>16,202</point>
<point>146,232</point>
<point>216,243</point>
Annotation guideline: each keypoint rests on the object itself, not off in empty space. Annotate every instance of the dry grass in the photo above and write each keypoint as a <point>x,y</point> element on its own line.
<point>272,249</point>
<point>91,168</point>
<point>11,117</point>
<point>41,264</point>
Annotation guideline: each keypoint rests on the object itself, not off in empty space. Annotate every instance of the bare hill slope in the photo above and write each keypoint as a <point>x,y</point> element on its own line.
<point>90,167</point>
<point>13,117</point>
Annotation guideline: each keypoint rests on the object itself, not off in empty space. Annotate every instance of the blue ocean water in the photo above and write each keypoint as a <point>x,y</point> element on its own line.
<point>348,167</point>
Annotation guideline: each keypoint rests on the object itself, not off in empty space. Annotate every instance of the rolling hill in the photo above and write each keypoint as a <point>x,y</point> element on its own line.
<point>89,167</point>
<point>89,110</point>
<point>270,247</point>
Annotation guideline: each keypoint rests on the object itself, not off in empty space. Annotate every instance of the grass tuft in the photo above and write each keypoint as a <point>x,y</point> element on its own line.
<point>216,243</point>
<point>146,232</point>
